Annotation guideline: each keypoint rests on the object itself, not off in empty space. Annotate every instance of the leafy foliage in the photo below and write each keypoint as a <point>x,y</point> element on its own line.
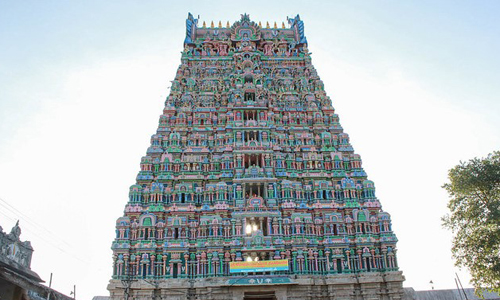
<point>474,218</point>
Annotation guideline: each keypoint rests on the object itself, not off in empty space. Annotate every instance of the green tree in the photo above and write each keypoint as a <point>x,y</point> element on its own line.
<point>474,219</point>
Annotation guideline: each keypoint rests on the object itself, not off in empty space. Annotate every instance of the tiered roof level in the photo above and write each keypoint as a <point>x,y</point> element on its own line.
<point>250,162</point>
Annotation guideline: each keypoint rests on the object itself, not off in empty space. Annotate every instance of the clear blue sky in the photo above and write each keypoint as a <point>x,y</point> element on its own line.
<point>82,85</point>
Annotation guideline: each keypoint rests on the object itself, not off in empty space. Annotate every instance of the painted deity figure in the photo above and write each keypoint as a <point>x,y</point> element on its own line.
<point>268,49</point>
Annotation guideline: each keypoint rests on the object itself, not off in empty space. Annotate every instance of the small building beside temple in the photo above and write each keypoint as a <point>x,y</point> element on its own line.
<point>17,280</point>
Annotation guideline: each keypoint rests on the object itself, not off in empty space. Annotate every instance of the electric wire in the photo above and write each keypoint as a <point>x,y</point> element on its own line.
<point>33,222</point>
<point>8,217</point>
<point>52,240</point>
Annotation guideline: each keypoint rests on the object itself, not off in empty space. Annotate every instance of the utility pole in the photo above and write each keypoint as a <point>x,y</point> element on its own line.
<point>50,286</point>
<point>465,295</point>
<point>73,292</point>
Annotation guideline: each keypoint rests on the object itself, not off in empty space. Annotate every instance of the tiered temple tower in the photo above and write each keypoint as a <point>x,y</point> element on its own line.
<point>250,188</point>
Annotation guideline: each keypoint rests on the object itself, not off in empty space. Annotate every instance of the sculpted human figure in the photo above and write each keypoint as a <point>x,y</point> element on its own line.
<point>15,232</point>
<point>268,48</point>
<point>223,49</point>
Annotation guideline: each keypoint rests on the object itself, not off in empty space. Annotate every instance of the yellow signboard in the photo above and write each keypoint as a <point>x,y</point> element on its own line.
<point>258,266</point>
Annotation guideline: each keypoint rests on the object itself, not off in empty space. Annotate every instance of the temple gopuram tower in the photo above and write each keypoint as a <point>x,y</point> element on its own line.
<point>250,188</point>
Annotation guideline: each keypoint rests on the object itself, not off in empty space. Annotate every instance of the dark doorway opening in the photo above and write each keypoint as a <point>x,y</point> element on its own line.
<point>269,295</point>
<point>175,269</point>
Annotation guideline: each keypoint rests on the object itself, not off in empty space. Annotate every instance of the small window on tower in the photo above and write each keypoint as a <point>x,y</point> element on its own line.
<point>249,96</point>
<point>256,224</point>
<point>248,79</point>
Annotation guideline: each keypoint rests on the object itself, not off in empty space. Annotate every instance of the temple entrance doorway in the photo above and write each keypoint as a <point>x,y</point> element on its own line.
<point>267,295</point>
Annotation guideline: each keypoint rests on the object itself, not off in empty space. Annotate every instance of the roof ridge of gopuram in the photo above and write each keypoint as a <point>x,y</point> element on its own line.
<point>296,28</point>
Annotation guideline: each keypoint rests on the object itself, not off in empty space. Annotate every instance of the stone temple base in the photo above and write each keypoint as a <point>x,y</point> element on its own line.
<point>367,286</point>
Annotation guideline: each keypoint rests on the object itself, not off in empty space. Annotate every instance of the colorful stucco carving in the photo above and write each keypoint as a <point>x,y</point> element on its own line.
<point>250,162</point>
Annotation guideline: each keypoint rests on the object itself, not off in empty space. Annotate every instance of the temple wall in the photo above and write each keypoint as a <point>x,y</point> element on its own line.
<point>345,287</point>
